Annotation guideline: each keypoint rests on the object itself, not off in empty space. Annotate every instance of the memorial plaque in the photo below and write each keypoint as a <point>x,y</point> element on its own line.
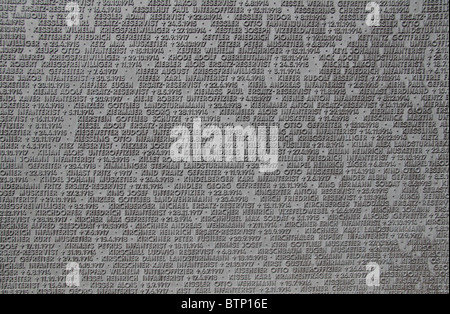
<point>212,147</point>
